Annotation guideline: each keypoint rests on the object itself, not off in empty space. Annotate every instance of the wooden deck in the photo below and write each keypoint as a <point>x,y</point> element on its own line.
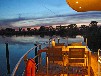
<point>58,70</point>
<point>61,68</point>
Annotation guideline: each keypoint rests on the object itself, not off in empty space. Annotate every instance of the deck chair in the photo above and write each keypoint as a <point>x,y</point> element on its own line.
<point>55,54</point>
<point>76,55</point>
<point>59,44</point>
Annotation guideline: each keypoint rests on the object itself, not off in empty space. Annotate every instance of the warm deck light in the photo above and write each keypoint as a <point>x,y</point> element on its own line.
<point>99,61</point>
<point>87,5</point>
<point>77,2</point>
<point>85,56</point>
<point>53,43</point>
<point>100,58</point>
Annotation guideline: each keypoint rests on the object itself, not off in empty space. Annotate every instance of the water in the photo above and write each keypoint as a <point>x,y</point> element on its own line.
<point>20,45</point>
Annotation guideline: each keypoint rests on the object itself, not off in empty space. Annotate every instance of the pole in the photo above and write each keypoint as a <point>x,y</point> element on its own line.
<point>98,63</point>
<point>58,40</point>
<point>39,58</point>
<point>89,63</point>
<point>86,42</point>
<point>47,64</point>
<point>7,58</point>
<point>67,40</point>
<point>36,59</point>
<point>49,42</point>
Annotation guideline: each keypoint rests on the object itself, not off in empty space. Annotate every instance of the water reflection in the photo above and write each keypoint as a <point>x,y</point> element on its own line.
<point>23,39</point>
<point>21,44</point>
<point>34,39</point>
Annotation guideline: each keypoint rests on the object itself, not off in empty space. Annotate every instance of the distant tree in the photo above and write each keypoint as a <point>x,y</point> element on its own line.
<point>28,29</point>
<point>93,23</point>
<point>42,31</point>
<point>20,29</point>
<point>93,26</point>
<point>72,30</point>
<point>51,31</point>
<point>83,30</point>
<point>93,36</point>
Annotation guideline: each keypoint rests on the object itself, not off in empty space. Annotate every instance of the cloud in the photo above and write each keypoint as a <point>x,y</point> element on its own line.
<point>78,18</point>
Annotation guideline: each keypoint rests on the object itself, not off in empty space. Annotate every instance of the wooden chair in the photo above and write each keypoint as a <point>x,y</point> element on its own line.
<point>55,54</point>
<point>76,55</point>
<point>59,44</point>
<point>55,57</point>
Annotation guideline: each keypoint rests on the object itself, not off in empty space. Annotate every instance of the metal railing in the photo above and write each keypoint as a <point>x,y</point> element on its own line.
<point>18,63</point>
<point>99,62</point>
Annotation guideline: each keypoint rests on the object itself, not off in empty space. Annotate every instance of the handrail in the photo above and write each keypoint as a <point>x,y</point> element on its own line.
<point>36,64</point>
<point>18,63</point>
<point>77,58</point>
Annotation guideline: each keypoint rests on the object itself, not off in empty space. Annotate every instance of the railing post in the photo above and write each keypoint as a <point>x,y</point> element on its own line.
<point>39,46</point>
<point>47,64</point>
<point>85,40</point>
<point>58,40</point>
<point>36,59</point>
<point>25,59</point>
<point>49,42</point>
<point>19,62</point>
<point>67,40</point>
<point>39,58</point>
<point>99,62</point>
<point>7,58</point>
<point>89,63</point>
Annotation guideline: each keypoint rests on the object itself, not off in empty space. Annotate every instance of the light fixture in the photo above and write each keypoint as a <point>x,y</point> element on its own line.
<point>53,43</point>
<point>87,5</point>
<point>77,2</point>
<point>85,56</point>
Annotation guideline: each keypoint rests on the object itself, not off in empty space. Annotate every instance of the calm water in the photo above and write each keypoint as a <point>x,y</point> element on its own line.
<point>20,45</point>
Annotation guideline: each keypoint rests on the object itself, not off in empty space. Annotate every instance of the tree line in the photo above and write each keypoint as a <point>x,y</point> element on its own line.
<point>91,32</point>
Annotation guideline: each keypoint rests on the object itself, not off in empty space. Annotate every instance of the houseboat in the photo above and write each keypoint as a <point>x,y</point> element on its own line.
<point>61,60</point>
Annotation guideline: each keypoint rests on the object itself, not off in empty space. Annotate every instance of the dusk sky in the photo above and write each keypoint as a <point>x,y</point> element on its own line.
<point>42,12</point>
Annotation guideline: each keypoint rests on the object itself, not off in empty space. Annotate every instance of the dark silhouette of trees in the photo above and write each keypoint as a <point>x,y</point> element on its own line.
<point>28,29</point>
<point>62,31</point>
<point>83,30</point>
<point>92,32</point>
<point>42,31</point>
<point>72,30</point>
<point>93,36</point>
<point>51,31</point>
<point>20,29</point>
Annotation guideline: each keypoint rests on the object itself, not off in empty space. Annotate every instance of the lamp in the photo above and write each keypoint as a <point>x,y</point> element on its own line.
<point>53,43</point>
<point>84,5</point>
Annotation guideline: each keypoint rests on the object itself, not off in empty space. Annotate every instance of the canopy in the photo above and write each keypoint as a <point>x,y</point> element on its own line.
<point>85,5</point>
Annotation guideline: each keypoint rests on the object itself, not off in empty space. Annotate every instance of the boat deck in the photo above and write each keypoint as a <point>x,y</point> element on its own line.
<point>57,69</point>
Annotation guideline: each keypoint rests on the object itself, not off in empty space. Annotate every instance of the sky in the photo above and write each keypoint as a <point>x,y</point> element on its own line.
<point>35,8</point>
<point>29,13</point>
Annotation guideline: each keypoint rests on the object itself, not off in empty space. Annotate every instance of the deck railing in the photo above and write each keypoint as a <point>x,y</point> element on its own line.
<point>99,62</point>
<point>20,60</point>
